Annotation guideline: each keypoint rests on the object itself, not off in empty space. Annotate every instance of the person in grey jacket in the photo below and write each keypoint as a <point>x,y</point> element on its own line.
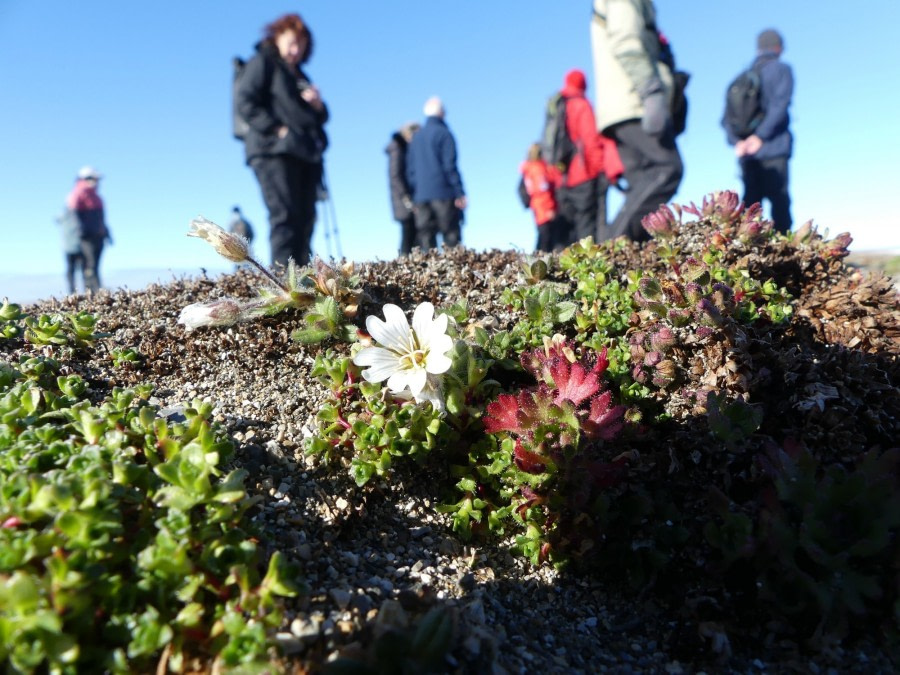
<point>437,187</point>
<point>764,155</point>
<point>634,90</point>
<point>285,140</point>
<point>401,193</point>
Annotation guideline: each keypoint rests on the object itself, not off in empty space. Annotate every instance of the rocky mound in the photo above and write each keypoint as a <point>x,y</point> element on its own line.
<point>735,440</point>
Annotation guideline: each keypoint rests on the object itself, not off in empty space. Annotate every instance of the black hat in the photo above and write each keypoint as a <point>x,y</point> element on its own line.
<point>769,40</point>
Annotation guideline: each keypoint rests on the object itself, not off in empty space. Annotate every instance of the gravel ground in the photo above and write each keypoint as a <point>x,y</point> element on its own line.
<point>381,556</point>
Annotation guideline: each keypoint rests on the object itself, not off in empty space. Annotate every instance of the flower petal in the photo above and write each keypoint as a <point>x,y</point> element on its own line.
<point>383,362</point>
<point>440,344</point>
<point>416,379</point>
<point>438,363</point>
<point>432,394</point>
<point>392,333</point>
<point>421,320</point>
<point>398,381</point>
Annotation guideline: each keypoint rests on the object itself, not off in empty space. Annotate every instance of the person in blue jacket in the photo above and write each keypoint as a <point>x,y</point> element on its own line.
<point>437,190</point>
<point>764,155</point>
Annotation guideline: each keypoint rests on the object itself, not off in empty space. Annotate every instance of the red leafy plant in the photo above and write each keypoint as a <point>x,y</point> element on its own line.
<point>556,433</point>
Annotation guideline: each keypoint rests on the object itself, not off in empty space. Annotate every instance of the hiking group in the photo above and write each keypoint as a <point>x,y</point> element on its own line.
<point>630,141</point>
<point>626,139</point>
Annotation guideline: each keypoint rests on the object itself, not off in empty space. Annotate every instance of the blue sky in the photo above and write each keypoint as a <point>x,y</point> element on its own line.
<point>142,92</point>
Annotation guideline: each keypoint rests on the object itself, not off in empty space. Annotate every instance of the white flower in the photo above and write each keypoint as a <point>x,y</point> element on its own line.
<point>219,313</point>
<point>410,357</point>
<point>230,246</point>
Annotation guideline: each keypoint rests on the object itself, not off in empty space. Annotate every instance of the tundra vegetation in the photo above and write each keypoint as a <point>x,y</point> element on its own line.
<point>710,418</point>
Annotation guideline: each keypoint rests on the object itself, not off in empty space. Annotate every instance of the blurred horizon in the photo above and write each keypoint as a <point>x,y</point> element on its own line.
<point>31,288</point>
<point>26,289</point>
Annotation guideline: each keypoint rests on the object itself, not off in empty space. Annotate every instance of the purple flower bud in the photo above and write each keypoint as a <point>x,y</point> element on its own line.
<point>837,247</point>
<point>661,223</point>
<point>662,340</point>
<point>803,233</point>
<point>755,230</point>
<point>723,207</point>
<point>652,358</point>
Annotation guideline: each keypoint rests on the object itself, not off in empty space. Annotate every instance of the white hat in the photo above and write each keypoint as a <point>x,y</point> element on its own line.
<point>86,172</point>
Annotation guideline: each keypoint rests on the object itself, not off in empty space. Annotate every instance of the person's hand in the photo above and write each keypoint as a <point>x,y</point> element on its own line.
<point>752,144</point>
<point>460,202</point>
<point>311,95</point>
<point>656,113</point>
<point>282,131</point>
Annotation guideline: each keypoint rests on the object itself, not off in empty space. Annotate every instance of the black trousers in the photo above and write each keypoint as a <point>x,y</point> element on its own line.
<point>407,234</point>
<point>547,234</point>
<point>289,187</point>
<point>578,210</point>
<point>74,262</point>
<point>88,259</point>
<point>440,216</point>
<point>602,223</point>
<point>653,168</point>
<point>768,179</point>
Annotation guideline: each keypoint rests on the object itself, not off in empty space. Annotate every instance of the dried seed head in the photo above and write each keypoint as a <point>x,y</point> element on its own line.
<point>230,246</point>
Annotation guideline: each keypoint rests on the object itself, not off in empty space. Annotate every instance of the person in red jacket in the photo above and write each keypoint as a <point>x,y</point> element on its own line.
<point>540,182</point>
<point>579,195</point>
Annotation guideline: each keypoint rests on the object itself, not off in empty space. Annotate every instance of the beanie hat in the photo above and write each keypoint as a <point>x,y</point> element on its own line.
<point>769,40</point>
<point>86,172</point>
<point>575,80</point>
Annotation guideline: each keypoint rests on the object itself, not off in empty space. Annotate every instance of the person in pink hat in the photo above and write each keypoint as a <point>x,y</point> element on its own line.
<point>87,225</point>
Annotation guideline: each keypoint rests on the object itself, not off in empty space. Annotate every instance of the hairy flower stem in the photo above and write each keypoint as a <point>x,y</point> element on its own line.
<point>271,277</point>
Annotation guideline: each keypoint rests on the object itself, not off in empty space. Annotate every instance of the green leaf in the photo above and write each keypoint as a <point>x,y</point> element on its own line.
<point>309,336</point>
<point>278,579</point>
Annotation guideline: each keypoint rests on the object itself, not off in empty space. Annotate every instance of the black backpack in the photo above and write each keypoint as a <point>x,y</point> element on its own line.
<point>239,125</point>
<point>680,80</point>
<point>743,107</point>
<point>556,146</point>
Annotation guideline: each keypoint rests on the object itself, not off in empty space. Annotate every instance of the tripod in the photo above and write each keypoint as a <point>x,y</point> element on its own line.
<point>329,218</point>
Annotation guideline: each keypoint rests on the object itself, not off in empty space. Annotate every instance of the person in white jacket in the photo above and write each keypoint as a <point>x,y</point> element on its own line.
<point>633,107</point>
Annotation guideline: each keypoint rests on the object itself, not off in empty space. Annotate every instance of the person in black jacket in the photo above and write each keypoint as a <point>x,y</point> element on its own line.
<point>285,140</point>
<point>401,193</point>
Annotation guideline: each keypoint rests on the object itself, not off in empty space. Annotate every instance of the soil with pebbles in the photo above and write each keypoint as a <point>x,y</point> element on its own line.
<point>381,556</point>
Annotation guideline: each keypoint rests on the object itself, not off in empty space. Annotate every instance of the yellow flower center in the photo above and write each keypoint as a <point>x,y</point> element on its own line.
<point>414,359</point>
